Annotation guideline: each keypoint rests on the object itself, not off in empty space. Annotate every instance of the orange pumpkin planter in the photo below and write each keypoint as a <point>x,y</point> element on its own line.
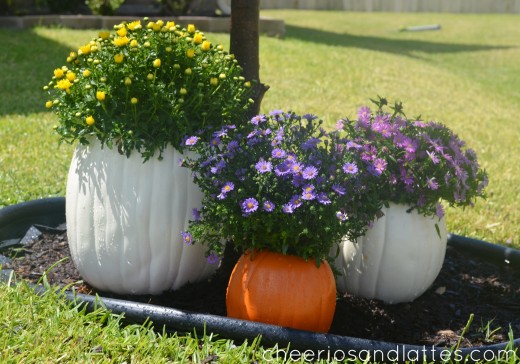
<point>282,290</point>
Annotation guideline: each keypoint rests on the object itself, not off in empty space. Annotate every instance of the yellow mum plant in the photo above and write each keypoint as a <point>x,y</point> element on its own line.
<point>146,85</point>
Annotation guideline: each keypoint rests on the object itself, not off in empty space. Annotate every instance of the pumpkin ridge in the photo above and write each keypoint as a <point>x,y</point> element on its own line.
<point>377,286</point>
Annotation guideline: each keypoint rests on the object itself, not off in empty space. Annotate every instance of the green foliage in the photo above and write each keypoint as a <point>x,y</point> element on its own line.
<point>142,88</point>
<point>104,7</point>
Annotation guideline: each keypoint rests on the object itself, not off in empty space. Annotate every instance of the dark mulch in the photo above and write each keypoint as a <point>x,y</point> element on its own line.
<point>466,285</point>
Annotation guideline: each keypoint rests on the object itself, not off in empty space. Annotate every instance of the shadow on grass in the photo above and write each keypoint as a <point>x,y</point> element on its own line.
<point>404,47</point>
<point>27,61</point>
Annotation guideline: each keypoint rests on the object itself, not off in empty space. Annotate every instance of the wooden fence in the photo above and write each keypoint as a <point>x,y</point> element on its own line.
<point>438,6</point>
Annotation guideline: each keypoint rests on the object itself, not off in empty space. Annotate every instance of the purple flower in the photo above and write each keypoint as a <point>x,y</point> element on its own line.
<point>340,190</point>
<point>291,157</point>
<point>310,144</point>
<point>439,210</point>
<point>363,117</point>
<point>249,205</point>
<point>323,198</point>
<point>268,206</point>
<point>295,201</point>
<point>310,117</point>
<point>215,142</point>
<point>232,146</point>
<point>295,167</point>
<point>213,258</point>
<point>228,186</point>
<point>340,124</point>
<point>257,119</point>
<point>410,145</point>
<point>282,169</point>
<point>186,237</point>
<point>341,216</point>
<point>382,126</point>
<point>195,213</point>
<point>309,172</point>
<point>218,167</point>
<point>220,133</point>
<point>433,157</point>
<point>287,208</point>
<point>276,112</point>
<point>406,177</point>
<point>308,188</point>
<point>263,166</point>
<point>192,140</point>
<point>379,166</point>
<point>432,184</point>
<point>278,137</point>
<point>350,168</point>
<point>297,180</point>
<point>308,195</point>
<point>278,153</point>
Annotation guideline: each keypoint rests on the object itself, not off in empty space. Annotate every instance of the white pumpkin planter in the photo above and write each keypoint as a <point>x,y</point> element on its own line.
<point>124,221</point>
<point>396,260</point>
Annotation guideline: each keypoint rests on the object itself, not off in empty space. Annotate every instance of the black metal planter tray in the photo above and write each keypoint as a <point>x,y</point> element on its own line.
<point>17,219</point>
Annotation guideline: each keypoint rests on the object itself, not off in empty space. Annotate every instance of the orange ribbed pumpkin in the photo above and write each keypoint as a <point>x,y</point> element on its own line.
<point>282,290</point>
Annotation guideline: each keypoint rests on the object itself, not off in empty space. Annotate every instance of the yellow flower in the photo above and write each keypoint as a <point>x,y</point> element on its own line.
<point>48,104</point>
<point>197,38</point>
<point>160,22</point>
<point>122,32</point>
<point>87,73</point>
<point>157,27</point>
<point>100,95</point>
<point>213,81</point>
<point>104,35</point>
<point>150,25</point>
<point>134,100</point>
<point>183,91</point>
<point>118,58</point>
<point>58,73</point>
<point>128,81</point>
<point>89,120</point>
<point>187,71</point>
<point>134,25</point>
<point>64,84</point>
<point>205,45</point>
<point>222,76</point>
<point>71,76</point>
<point>84,49</point>
<point>150,76</point>
<point>72,57</point>
<point>190,53</point>
<point>247,84</point>
<point>191,28</point>
<point>170,24</point>
<point>121,41</point>
<point>157,63</point>
<point>133,43</point>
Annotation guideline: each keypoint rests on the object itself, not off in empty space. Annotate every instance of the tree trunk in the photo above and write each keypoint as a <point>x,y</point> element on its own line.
<point>244,40</point>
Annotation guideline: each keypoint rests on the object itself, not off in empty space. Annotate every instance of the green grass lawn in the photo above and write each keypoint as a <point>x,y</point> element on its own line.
<point>466,75</point>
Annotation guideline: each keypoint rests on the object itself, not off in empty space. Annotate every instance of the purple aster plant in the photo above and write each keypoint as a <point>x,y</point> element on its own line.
<point>415,162</point>
<point>277,182</point>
